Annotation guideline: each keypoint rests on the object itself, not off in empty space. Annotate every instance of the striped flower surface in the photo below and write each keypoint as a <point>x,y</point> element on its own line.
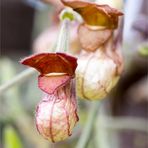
<point>56,114</point>
<point>100,63</point>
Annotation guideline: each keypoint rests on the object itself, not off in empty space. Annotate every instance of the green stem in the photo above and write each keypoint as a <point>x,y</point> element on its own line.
<point>23,76</point>
<point>63,38</point>
<point>120,123</point>
<point>66,16</point>
<point>101,133</point>
<point>84,138</point>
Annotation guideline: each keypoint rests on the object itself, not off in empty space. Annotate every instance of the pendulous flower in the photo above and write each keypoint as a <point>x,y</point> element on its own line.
<point>98,72</point>
<point>100,63</point>
<point>56,114</point>
<point>99,21</point>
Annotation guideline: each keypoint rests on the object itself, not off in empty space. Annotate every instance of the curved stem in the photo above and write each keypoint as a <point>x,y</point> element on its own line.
<point>63,38</point>
<point>84,138</point>
<point>17,80</point>
<point>120,123</point>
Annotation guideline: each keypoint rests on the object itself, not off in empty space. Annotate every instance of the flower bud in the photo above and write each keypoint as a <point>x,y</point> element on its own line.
<point>96,74</point>
<point>56,114</point>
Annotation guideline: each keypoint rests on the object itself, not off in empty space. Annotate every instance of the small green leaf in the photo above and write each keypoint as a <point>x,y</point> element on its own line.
<point>11,138</point>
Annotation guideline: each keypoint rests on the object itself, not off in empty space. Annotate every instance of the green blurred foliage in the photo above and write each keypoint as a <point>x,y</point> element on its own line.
<point>11,138</point>
<point>143,50</point>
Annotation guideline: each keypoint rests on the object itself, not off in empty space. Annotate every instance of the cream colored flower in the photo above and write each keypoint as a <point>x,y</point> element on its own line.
<point>96,75</point>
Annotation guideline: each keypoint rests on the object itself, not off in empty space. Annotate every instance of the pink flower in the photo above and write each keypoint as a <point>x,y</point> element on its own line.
<point>56,114</point>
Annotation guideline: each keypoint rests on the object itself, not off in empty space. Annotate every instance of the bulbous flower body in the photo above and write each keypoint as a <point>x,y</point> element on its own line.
<point>96,75</point>
<point>100,66</point>
<point>56,114</point>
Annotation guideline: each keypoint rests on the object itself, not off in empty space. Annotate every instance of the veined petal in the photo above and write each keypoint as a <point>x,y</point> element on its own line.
<point>95,14</point>
<point>47,63</point>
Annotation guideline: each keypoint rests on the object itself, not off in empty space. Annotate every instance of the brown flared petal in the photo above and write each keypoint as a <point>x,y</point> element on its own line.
<point>91,39</point>
<point>51,83</point>
<point>95,14</point>
<point>47,63</point>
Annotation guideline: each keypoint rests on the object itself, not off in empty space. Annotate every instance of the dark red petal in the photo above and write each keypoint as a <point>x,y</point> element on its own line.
<point>51,83</point>
<point>52,63</point>
<point>70,59</point>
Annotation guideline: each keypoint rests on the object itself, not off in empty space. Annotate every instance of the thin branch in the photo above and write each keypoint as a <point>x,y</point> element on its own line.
<point>89,125</point>
<point>107,126</point>
<point>101,135</point>
<point>17,80</point>
<point>120,123</point>
<point>63,38</point>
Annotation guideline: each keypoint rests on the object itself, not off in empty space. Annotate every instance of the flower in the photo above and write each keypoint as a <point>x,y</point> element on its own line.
<point>56,114</point>
<point>97,73</point>
<point>53,67</point>
<point>99,23</point>
<point>100,65</point>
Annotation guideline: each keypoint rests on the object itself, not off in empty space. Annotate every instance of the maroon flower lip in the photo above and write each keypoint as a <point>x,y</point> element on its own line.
<point>47,63</point>
<point>56,69</point>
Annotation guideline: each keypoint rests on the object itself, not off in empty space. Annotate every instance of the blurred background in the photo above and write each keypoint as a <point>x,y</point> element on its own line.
<point>120,121</point>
